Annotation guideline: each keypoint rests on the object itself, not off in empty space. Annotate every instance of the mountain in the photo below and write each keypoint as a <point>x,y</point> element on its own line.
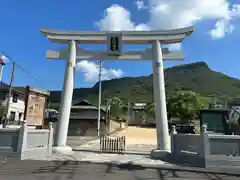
<point>197,77</point>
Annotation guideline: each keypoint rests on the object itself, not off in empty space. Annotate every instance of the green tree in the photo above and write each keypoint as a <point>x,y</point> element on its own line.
<point>184,105</point>
<point>116,105</point>
<point>150,110</point>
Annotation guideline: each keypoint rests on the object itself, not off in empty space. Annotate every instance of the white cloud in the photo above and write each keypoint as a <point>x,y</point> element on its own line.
<point>140,4</point>
<point>117,18</point>
<point>173,47</point>
<point>91,71</point>
<point>163,15</point>
<point>171,14</point>
<point>221,28</point>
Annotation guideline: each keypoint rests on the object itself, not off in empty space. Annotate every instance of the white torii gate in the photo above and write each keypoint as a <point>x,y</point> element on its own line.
<point>156,54</point>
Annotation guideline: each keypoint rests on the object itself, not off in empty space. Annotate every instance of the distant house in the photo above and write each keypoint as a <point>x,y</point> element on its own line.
<point>136,114</point>
<point>216,106</point>
<point>17,102</point>
<point>235,102</point>
<point>83,119</point>
<point>25,103</point>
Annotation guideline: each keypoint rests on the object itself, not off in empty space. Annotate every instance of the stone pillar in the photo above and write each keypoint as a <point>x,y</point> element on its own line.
<point>163,140</point>
<point>50,138</point>
<point>66,101</point>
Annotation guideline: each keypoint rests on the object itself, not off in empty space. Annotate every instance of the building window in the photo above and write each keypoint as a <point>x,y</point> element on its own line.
<point>2,96</point>
<point>12,115</point>
<point>20,116</point>
<point>15,98</point>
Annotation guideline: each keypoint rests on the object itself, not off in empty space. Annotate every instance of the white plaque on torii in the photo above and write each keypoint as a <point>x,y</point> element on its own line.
<point>114,44</point>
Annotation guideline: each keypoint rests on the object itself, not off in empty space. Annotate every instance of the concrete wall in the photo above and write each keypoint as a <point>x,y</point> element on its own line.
<point>206,149</point>
<point>186,143</point>
<point>114,125</point>
<point>83,128</point>
<point>9,140</point>
<point>24,142</point>
<point>14,126</point>
<point>89,127</point>
<point>86,128</point>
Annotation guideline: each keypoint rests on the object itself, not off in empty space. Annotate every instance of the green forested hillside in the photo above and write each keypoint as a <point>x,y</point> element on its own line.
<point>197,77</point>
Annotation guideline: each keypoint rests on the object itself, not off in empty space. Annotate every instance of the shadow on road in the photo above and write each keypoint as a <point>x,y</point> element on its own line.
<point>71,169</point>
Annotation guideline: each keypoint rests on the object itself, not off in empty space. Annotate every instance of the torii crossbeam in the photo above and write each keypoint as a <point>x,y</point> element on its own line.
<point>83,54</point>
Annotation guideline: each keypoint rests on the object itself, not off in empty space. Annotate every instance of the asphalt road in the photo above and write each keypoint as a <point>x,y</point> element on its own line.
<point>43,170</point>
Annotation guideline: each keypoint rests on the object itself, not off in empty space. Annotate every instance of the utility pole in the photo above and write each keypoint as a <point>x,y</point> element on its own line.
<point>1,72</point>
<point>99,97</point>
<point>9,97</point>
<point>128,112</point>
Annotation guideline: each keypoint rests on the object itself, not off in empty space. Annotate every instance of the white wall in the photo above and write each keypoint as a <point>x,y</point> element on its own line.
<point>17,107</point>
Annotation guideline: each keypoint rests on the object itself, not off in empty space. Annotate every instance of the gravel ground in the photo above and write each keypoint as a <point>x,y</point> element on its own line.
<point>76,141</point>
<point>94,145</point>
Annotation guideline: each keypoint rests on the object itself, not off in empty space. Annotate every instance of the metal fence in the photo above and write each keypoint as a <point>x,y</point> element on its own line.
<point>113,144</point>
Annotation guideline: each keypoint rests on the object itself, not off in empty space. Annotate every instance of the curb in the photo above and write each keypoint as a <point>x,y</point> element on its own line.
<point>99,152</point>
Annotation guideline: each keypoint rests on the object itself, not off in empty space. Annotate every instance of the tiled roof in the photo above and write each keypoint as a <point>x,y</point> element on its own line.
<point>88,107</point>
<point>5,87</point>
<point>19,89</point>
<point>81,102</point>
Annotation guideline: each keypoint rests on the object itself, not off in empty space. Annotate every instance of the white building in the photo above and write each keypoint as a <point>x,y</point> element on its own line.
<point>17,103</point>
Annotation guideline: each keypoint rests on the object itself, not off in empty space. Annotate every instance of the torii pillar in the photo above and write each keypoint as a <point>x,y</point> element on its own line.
<point>157,54</point>
<point>66,99</point>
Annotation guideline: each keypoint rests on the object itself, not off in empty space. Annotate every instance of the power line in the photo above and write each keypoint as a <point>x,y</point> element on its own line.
<point>23,69</point>
<point>26,72</point>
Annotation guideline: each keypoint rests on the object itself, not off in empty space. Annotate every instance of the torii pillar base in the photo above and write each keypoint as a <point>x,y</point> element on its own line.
<point>62,150</point>
<point>160,154</point>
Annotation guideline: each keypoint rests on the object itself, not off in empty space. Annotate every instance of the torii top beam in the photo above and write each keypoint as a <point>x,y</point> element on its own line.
<point>128,37</point>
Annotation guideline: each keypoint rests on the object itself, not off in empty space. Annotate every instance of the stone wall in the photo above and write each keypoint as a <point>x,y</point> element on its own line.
<point>25,142</point>
<point>206,149</point>
<point>86,128</point>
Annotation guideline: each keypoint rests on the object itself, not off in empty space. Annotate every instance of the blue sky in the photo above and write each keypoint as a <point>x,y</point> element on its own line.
<point>21,39</point>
